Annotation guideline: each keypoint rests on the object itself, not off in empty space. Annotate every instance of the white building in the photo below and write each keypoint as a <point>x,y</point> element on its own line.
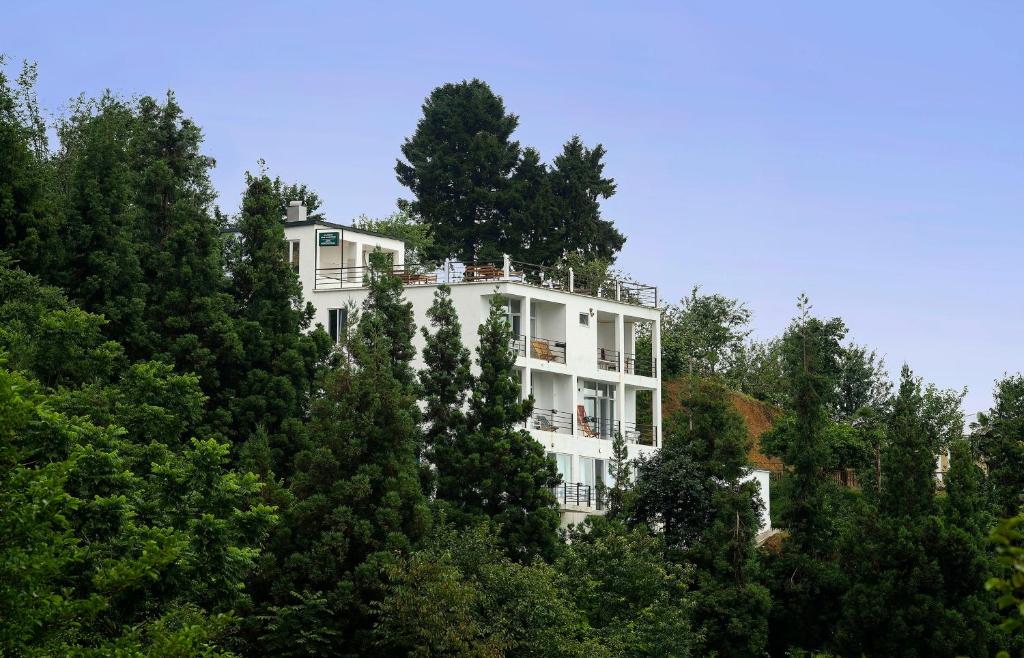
<point>576,347</point>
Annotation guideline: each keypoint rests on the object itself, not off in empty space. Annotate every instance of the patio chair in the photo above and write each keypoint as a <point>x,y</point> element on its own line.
<point>581,418</point>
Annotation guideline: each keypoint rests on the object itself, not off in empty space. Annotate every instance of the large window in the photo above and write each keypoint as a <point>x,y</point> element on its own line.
<point>337,323</point>
<point>292,254</point>
<point>515,317</point>
<point>599,407</point>
<point>563,463</point>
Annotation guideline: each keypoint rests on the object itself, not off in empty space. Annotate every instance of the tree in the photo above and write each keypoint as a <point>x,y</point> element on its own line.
<point>620,473</point>
<point>29,224</point>
<point>188,304</point>
<point>700,335</point>
<point>756,368</point>
<point>280,362</point>
<point>806,583</point>
<point>458,165</point>
<point>1000,437</point>
<point>694,491</point>
<point>578,185</point>
<point>895,604</point>
<point>1008,538</point>
<point>496,470</point>
<point>445,378</point>
<point>638,603</point>
<point>358,504</point>
<point>402,226</point>
<point>863,382</point>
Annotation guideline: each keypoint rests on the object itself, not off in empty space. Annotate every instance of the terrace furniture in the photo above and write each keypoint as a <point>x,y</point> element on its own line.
<point>482,273</point>
<point>544,423</point>
<point>581,418</point>
<point>540,349</point>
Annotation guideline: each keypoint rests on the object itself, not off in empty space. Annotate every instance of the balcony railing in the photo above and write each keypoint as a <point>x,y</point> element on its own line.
<point>607,287</point>
<point>552,351</point>
<point>518,345</point>
<point>645,434</point>
<point>607,359</point>
<point>596,428</point>
<point>580,495</point>
<point>635,365</point>
<point>551,420</point>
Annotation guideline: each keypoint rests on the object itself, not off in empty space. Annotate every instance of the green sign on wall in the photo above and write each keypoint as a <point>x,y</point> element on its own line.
<point>329,239</point>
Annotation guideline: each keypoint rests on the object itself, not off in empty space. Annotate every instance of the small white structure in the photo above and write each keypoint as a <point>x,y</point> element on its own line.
<point>576,347</point>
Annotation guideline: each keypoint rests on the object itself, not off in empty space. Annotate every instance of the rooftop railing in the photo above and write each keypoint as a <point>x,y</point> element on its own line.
<point>604,287</point>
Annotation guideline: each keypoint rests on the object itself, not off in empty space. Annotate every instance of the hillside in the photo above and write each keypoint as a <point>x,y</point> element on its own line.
<point>756,414</point>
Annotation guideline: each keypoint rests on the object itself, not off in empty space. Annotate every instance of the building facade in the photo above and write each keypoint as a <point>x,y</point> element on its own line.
<point>575,343</point>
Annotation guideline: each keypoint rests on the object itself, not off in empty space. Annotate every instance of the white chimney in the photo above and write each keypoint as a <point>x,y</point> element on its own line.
<point>296,212</point>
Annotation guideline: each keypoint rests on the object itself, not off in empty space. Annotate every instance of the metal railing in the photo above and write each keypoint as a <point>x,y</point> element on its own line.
<point>607,359</point>
<point>518,345</point>
<point>597,428</point>
<point>624,290</point>
<point>579,495</point>
<point>645,434</point>
<point>633,365</point>
<point>552,420</point>
<point>545,349</point>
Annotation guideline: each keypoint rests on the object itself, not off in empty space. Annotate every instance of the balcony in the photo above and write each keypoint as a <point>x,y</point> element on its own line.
<point>552,351</point>
<point>607,359</point>
<point>580,495</point>
<point>563,422</point>
<point>645,367</point>
<point>451,272</point>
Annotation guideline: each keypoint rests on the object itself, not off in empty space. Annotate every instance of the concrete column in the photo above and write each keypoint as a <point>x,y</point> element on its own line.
<point>359,263</point>
<point>524,319</point>
<point>620,391</point>
<point>656,397</point>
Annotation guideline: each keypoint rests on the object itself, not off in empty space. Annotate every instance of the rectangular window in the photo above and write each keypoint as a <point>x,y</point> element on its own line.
<point>293,255</point>
<point>337,323</point>
<point>584,319</point>
<point>563,463</point>
<point>599,406</point>
<point>514,317</point>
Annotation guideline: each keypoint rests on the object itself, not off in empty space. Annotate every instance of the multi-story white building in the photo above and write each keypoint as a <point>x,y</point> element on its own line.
<point>575,345</point>
<point>576,348</point>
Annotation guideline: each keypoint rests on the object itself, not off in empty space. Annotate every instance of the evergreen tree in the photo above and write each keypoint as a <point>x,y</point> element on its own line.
<point>496,469</point>
<point>445,378</point>
<point>188,305</point>
<point>694,492</point>
<point>806,582</point>
<point>1000,437</point>
<point>458,165</point>
<point>385,300</point>
<point>358,503</point>
<point>894,606</point>
<point>29,224</point>
<point>280,361</point>
<point>620,473</point>
<point>103,272</point>
<point>578,185</point>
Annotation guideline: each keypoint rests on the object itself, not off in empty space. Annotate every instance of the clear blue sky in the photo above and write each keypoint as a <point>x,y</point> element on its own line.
<point>868,154</point>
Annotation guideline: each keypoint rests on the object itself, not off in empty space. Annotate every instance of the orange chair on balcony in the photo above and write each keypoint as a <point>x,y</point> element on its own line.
<point>541,350</point>
<point>581,419</point>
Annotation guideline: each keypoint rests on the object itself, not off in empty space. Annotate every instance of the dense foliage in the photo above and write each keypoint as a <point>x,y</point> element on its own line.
<point>188,467</point>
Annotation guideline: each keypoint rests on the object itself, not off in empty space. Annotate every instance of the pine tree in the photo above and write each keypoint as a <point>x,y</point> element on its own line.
<point>358,503</point>
<point>385,300</point>
<point>445,378</point>
<point>496,469</point>
<point>458,166</point>
<point>280,361</point>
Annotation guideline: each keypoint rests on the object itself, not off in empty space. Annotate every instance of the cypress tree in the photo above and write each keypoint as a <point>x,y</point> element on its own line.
<point>445,380</point>
<point>806,582</point>
<point>1000,436</point>
<point>103,272</point>
<point>188,305</point>
<point>280,361</point>
<point>29,224</point>
<point>358,503</point>
<point>497,469</point>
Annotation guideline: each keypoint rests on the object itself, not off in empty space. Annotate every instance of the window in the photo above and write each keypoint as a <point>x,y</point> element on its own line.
<point>292,255</point>
<point>584,319</point>
<point>563,463</point>
<point>599,407</point>
<point>514,317</point>
<point>337,323</point>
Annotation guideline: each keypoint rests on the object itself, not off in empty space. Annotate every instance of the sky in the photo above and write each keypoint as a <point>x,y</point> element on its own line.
<point>867,154</point>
